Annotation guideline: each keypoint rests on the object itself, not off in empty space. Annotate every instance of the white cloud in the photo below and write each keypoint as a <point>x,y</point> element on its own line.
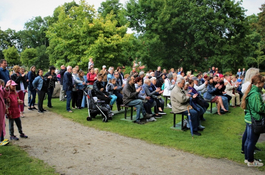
<point>14,13</point>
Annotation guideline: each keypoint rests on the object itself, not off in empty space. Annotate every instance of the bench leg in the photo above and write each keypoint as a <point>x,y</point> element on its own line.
<point>166,101</point>
<point>182,120</point>
<point>211,107</point>
<point>174,121</point>
<point>132,113</point>
<point>125,112</point>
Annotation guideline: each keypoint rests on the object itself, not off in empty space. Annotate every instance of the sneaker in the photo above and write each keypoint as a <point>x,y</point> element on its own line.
<point>5,140</point>
<point>34,108</point>
<point>158,116</point>
<point>23,136</point>
<point>70,111</point>
<point>50,106</point>
<point>255,164</point>
<point>169,106</point>
<point>197,133</point>
<point>148,115</point>
<point>3,143</point>
<point>162,113</point>
<point>152,119</point>
<point>13,138</point>
<point>201,127</point>
<point>138,122</point>
<point>41,112</point>
<point>245,161</point>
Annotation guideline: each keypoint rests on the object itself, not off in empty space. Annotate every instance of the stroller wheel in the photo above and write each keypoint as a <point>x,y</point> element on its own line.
<point>89,119</point>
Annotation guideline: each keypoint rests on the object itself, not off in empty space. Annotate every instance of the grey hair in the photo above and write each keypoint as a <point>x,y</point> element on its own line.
<point>179,80</point>
<point>146,80</point>
<point>69,67</point>
<point>170,76</point>
<point>251,72</point>
<point>153,78</point>
<point>111,69</point>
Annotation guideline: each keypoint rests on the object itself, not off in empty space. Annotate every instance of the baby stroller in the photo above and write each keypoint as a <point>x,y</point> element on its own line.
<point>95,107</point>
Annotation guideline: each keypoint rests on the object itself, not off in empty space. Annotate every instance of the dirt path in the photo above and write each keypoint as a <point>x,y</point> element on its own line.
<point>76,149</point>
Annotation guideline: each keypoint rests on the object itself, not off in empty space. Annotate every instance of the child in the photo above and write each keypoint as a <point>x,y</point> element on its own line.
<point>3,94</point>
<point>13,111</point>
<point>110,89</point>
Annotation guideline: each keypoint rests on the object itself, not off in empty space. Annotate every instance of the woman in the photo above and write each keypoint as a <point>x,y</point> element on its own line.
<point>41,86</point>
<point>208,95</point>
<point>31,90</point>
<point>51,78</point>
<point>91,76</point>
<point>168,87</point>
<point>20,80</point>
<point>75,89</point>
<point>79,88</point>
<point>100,90</point>
<point>253,104</point>
<point>96,71</point>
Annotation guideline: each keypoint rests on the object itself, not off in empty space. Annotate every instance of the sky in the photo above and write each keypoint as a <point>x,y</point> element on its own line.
<point>15,13</point>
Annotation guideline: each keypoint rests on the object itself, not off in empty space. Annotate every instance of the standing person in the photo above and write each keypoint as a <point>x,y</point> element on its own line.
<point>118,88</point>
<point>4,92</point>
<point>90,63</point>
<point>40,84</point>
<point>22,71</point>
<point>75,89</point>
<point>62,93</point>
<point>243,72</point>
<point>239,73</point>
<point>158,72</point>
<point>20,81</point>
<point>91,76</point>
<point>14,111</point>
<point>121,75</point>
<point>4,73</point>
<point>79,87</point>
<point>169,85</point>
<point>67,86</point>
<point>31,89</point>
<point>253,104</point>
<point>51,78</point>
<point>104,74</point>
<point>213,70</point>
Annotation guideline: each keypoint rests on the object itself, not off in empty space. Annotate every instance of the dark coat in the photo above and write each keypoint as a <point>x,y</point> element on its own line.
<point>68,81</point>
<point>129,93</point>
<point>17,78</point>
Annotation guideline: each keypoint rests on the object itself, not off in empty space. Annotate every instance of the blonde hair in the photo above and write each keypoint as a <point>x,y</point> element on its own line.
<point>126,76</point>
<point>251,72</point>
<point>16,68</point>
<point>254,81</point>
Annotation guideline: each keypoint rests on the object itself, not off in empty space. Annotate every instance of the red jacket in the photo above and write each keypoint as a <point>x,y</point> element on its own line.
<point>13,109</point>
<point>91,78</point>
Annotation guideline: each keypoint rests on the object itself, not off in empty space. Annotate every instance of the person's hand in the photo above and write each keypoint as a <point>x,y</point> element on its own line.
<point>23,75</point>
<point>224,92</point>
<point>161,92</point>
<point>195,95</point>
<point>188,95</point>
<point>83,83</point>
<point>106,96</point>
<point>139,89</point>
<point>123,85</point>
<point>115,87</point>
<point>102,89</point>
<point>206,82</point>
<point>190,91</point>
<point>220,87</point>
<point>8,84</point>
<point>158,89</point>
<point>50,77</point>
<point>147,98</point>
<point>95,78</point>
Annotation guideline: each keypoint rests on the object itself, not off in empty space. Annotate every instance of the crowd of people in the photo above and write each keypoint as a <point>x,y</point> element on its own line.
<point>138,89</point>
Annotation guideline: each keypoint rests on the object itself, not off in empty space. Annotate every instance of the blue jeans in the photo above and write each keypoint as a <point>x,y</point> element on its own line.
<point>195,118</point>
<point>225,102</point>
<point>50,92</point>
<point>139,108</point>
<point>113,99</point>
<point>69,97</point>
<point>250,143</point>
<point>31,101</point>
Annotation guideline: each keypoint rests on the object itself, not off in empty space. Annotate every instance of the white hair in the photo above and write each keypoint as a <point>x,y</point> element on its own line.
<point>111,69</point>
<point>147,80</point>
<point>69,67</point>
<point>179,80</point>
<point>153,78</point>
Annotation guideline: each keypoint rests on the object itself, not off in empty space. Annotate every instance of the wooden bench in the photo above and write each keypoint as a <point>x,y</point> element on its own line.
<point>167,97</point>
<point>126,109</point>
<point>174,119</point>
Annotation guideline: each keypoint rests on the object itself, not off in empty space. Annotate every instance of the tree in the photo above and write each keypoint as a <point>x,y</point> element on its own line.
<point>8,38</point>
<point>29,57</point>
<point>42,61</point>
<point>190,33</point>
<point>11,55</point>
<point>80,34</point>
<point>260,57</point>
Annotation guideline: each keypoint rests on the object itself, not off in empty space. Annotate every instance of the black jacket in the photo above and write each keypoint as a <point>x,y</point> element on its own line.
<point>17,79</point>
<point>51,82</point>
<point>129,93</point>
<point>68,82</point>
<point>96,88</point>
<point>62,71</point>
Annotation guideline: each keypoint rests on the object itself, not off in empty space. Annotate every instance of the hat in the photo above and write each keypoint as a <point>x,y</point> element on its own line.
<point>141,73</point>
<point>205,76</point>
<point>103,66</point>
<point>221,75</point>
<point>239,80</point>
<point>11,82</point>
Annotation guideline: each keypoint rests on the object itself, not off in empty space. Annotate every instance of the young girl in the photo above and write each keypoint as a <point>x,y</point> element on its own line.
<point>110,89</point>
<point>14,111</point>
<point>3,95</point>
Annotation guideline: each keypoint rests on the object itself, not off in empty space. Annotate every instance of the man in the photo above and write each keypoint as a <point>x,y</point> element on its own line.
<point>4,73</point>
<point>51,78</point>
<point>67,86</point>
<point>104,74</point>
<point>158,72</point>
<point>62,93</point>
<point>90,63</point>
<point>180,103</point>
<point>130,98</point>
<point>119,84</point>
<point>213,70</point>
<point>243,72</point>
<point>239,73</point>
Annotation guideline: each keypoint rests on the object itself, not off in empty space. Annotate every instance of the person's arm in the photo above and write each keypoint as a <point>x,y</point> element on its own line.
<point>182,97</point>
<point>95,87</point>
<point>229,87</point>
<point>259,106</point>
<point>16,78</point>
<point>130,94</point>
<point>211,89</point>
<point>147,91</point>
<point>199,88</point>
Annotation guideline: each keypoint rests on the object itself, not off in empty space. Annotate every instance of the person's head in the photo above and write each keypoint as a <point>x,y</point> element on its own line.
<point>228,78</point>
<point>216,69</point>
<point>16,69</point>
<point>74,71</point>
<point>170,76</point>
<point>199,76</point>
<point>77,68</point>
<point>118,69</point>
<point>182,74</point>
<point>191,83</point>
<point>33,68</point>
<point>257,80</point>
<point>130,80</point>
<point>210,79</point>
<point>233,78</point>
<point>111,70</point>
<point>164,71</point>
<point>244,69</point>
<point>181,69</point>
<point>172,70</point>
<point>188,73</point>
<point>22,70</point>
<point>99,77</point>
<point>90,59</point>
<point>52,69</point>
<point>186,85</point>
<point>12,85</point>
<point>237,76</point>
<point>251,72</point>
<point>113,80</point>
<point>126,76</point>
<point>238,70</point>
<point>180,82</point>
<point>147,82</point>
<point>3,63</point>
<point>141,74</point>
<point>175,76</point>
<point>62,67</point>
<point>69,69</point>
<point>103,67</point>
<point>153,80</point>
<point>213,68</point>
<point>215,79</point>
<point>40,72</point>
<point>2,82</point>
<point>134,69</point>
<point>116,74</point>
<point>96,70</point>
<point>152,74</point>
<point>138,81</point>
<point>81,74</point>
<point>91,70</point>
<point>158,68</point>
<point>242,77</point>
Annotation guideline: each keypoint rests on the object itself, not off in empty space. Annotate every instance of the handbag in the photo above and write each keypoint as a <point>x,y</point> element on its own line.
<point>258,126</point>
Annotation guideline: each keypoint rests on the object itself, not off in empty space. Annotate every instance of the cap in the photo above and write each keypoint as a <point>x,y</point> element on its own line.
<point>205,76</point>
<point>11,82</point>
<point>103,66</point>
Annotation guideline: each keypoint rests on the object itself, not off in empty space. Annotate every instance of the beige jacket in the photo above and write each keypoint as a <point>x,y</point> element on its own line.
<point>229,89</point>
<point>179,100</point>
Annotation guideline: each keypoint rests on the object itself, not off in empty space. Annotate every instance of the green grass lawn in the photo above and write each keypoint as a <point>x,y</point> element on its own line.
<point>220,139</point>
<point>14,160</point>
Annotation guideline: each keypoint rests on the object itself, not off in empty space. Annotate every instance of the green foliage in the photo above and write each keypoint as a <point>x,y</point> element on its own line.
<point>80,34</point>
<point>42,61</point>
<point>8,38</point>
<point>11,55</point>
<point>260,57</point>
<point>29,57</point>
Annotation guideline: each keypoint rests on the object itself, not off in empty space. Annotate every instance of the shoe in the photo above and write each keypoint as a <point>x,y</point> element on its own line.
<point>242,152</point>
<point>158,116</point>
<point>50,106</point>
<point>169,106</point>
<point>118,107</point>
<point>152,119</point>
<point>255,164</point>
<point>34,108</point>
<point>138,122</point>
<point>5,140</point>
<point>162,113</point>
<point>202,127</point>
<point>148,115</point>
<point>41,112</point>
<point>13,138</point>
<point>197,133</point>
<point>23,136</point>
<point>4,143</point>
<point>245,161</point>
<point>70,111</point>
<point>30,109</point>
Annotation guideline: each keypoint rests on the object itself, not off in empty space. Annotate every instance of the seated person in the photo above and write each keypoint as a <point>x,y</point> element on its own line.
<point>161,101</point>
<point>200,88</point>
<point>100,91</point>
<point>110,88</point>
<point>169,85</point>
<point>180,102</point>
<point>230,90</point>
<point>209,95</point>
<point>220,91</point>
<point>130,98</point>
